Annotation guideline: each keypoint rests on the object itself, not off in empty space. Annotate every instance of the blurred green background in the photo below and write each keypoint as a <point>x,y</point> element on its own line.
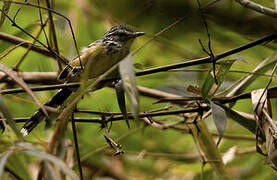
<point>230,25</point>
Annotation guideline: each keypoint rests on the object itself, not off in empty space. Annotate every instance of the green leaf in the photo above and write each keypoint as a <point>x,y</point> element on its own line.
<point>242,120</point>
<point>220,119</point>
<point>120,95</point>
<point>129,82</point>
<point>209,87</point>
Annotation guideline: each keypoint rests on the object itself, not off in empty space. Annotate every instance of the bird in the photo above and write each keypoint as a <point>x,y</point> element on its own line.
<point>96,58</point>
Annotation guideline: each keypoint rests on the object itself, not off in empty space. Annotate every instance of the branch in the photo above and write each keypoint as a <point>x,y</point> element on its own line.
<point>32,77</point>
<point>37,40</point>
<point>185,157</point>
<point>272,93</point>
<point>258,8</point>
<point>129,116</point>
<point>40,88</point>
<point>55,12</point>
<point>199,61</point>
<point>26,44</point>
<point>206,60</point>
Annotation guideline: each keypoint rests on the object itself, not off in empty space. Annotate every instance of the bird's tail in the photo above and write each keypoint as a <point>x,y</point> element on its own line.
<point>39,116</point>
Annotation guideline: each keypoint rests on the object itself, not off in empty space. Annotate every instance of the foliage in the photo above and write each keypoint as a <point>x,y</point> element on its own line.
<point>197,111</point>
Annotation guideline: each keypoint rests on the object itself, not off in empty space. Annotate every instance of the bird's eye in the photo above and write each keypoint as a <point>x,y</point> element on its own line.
<point>121,34</point>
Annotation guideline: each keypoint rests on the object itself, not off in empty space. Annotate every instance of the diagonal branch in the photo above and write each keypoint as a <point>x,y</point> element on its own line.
<point>199,61</point>
<point>206,60</point>
<point>258,8</point>
<point>26,44</point>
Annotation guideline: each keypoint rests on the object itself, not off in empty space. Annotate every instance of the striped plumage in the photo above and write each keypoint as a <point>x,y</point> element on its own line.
<point>99,57</point>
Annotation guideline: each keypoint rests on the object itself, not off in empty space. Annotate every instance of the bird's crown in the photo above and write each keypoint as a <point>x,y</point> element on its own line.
<point>120,29</point>
<point>121,33</point>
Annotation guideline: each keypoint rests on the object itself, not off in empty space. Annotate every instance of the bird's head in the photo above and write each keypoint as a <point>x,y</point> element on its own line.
<point>122,34</point>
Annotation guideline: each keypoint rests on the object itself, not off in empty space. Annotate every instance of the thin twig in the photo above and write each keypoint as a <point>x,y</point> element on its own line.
<point>41,22</point>
<point>97,112</point>
<point>17,12</point>
<point>40,88</point>
<point>231,71</point>
<point>210,52</point>
<point>270,80</point>
<point>129,116</point>
<point>266,89</point>
<point>209,4</point>
<point>30,35</point>
<point>271,94</point>
<point>52,32</point>
<point>234,137</point>
<point>76,144</point>
<point>258,8</point>
<point>199,61</point>
<point>12,173</point>
<point>206,60</point>
<point>158,34</point>
<point>94,151</point>
<point>167,97</point>
<point>59,14</point>
<point>10,50</point>
<point>26,44</point>
<point>29,48</point>
<point>32,77</point>
<point>183,156</point>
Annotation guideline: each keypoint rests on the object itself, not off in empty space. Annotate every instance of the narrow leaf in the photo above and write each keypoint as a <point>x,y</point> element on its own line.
<point>56,161</point>
<point>220,119</point>
<point>3,159</point>
<point>207,145</point>
<point>264,66</point>
<point>120,95</point>
<point>263,114</point>
<point>129,82</point>
<point>209,87</point>
<point>21,83</point>
<point>50,172</point>
<point>8,117</point>
<point>241,119</point>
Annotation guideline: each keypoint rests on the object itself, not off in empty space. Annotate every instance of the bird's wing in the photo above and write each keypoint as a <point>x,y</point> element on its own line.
<point>88,53</point>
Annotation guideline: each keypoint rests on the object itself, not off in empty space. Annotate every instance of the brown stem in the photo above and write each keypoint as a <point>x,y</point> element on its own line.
<point>258,8</point>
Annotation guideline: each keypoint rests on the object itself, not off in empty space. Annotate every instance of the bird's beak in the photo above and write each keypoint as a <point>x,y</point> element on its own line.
<point>137,34</point>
